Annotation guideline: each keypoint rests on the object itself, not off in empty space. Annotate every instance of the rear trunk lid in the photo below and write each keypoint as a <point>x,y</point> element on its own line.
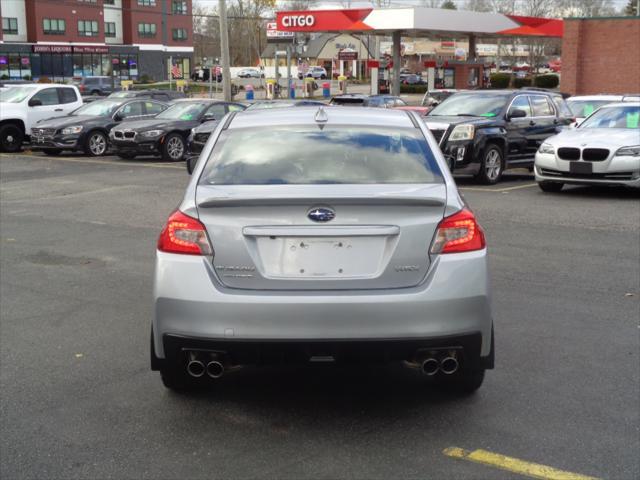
<point>264,238</point>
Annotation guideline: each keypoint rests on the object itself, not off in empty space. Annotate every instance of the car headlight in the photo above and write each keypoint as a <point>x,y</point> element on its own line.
<point>633,151</point>
<point>72,130</point>
<point>547,148</point>
<point>462,132</point>
<point>152,133</point>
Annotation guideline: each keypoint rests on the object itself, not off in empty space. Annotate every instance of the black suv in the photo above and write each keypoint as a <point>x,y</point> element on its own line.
<point>485,132</point>
<point>166,134</point>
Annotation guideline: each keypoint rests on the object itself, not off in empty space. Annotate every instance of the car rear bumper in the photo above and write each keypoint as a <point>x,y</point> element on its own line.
<point>452,301</point>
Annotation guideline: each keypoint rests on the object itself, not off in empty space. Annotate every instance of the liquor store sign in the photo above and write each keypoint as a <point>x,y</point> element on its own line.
<point>68,49</point>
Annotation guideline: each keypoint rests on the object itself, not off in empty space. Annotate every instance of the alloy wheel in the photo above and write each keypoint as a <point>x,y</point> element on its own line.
<point>175,148</point>
<point>493,164</point>
<point>97,144</point>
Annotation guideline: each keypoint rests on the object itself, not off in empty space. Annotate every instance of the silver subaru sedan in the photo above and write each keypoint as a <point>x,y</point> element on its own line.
<point>321,234</point>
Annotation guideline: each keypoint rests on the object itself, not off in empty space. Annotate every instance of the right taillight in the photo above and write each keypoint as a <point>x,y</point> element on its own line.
<point>458,233</point>
<point>184,234</point>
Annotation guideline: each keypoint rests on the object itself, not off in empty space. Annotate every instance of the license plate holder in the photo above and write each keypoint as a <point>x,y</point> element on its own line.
<point>581,168</point>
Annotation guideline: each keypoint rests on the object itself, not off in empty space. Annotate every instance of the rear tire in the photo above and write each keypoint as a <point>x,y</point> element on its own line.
<point>550,187</point>
<point>492,165</point>
<point>173,148</point>
<point>126,156</point>
<point>11,137</point>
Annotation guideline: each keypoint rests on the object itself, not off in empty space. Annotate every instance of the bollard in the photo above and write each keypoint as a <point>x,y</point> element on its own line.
<point>249,92</point>
<point>292,89</point>
<point>271,88</point>
<point>342,82</point>
<point>326,89</point>
<point>308,87</point>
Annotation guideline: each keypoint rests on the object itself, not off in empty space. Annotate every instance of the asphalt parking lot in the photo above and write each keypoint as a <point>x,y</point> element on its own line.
<point>78,399</point>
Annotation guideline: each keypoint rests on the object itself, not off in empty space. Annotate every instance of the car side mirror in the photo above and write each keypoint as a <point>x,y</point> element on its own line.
<point>34,102</point>
<point>516,113</point>
<point>118,117</point>
<point>208,117</point>
<point>191,163</point>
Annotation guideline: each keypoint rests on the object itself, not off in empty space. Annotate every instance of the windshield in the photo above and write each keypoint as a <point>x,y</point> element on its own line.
<point>122,94</point>
<point>310,155</point>
<point>184,111</point>
<point>265,105</point>
<point>101,108</point>
<point>584,108</point>
<point>16,94</point>
<point>476,105</point>
<point>614,117</point>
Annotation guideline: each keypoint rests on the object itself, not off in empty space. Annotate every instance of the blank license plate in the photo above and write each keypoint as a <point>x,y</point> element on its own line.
<point>581,168</point>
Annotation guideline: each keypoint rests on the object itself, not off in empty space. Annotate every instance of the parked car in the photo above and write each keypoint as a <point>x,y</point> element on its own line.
<point>87,128</point>
<point>602,150</point>
<point>436,97</point>
<point>485,132</point>
<point>250,73</point>
<point>166,134</point>
<point>264,104</point>
<point>200,134</point>
<point>94,85</point>
<point>369,255</point>
<point>316,72</point>
<point>413,79</point>
<point>156,94</point>
<point>22,106</point>
<point>584,105</point>
<point>356,99</point>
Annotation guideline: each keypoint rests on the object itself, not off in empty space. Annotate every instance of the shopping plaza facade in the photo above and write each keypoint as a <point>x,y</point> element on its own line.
<point>123,39</point>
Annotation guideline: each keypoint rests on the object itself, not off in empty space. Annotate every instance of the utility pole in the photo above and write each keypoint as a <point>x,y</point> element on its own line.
<point>224,50</point>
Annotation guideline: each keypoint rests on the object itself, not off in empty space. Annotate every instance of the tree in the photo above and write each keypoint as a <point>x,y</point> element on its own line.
<point>632,8</point>
<point>478,5</point>
<point>448,5</point>
<point>586,8</point>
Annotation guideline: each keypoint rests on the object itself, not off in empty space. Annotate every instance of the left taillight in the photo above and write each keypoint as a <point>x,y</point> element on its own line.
<point>457,233</point>
<point>184,234</point>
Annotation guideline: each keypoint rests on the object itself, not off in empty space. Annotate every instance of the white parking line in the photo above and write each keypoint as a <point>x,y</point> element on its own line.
<point>497,190</point>
<point>87,160</point>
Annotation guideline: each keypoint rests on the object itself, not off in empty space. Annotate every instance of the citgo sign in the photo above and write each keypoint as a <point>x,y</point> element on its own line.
<point>298,20</point>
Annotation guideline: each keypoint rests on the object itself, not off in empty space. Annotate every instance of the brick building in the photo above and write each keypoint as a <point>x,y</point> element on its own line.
<point>601,55</point>
<point>124,39</point>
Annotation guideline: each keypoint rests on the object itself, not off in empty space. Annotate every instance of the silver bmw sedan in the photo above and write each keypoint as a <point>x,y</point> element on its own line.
<point>321,234</point>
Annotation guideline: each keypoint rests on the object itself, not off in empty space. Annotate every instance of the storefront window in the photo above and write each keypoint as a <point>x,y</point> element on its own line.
<point>67,65</point>
<point>4,67</point>
<point>77,65</point>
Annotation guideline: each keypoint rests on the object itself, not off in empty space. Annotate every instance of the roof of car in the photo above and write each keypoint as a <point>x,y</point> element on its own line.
<point>334,115</point>
<point>198,100</point>
<point>621,104</point>
<point>596,97</point>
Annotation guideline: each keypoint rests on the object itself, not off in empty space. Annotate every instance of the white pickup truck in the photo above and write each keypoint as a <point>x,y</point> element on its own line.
<point>22,106</point>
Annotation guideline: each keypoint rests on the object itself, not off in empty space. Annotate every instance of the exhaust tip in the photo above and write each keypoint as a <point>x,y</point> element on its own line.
<point>430,366</point>
<point>195,368</point>
<point>449,365</point>
<point>215,369</point>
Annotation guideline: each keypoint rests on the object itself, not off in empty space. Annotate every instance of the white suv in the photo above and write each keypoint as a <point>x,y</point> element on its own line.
<point>22,106</point>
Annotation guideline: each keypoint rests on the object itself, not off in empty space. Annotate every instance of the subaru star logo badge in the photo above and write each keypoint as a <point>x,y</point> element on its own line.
<point>321,214</point>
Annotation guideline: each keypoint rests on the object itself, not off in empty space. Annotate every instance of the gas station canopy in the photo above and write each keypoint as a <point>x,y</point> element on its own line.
<point>417,21</point>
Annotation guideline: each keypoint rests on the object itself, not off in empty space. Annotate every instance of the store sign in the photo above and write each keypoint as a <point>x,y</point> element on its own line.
<point>52,49</point>
<point>277,36</point>
<point>323,20</point>
<point>68,49</point>
<point>347,55</point>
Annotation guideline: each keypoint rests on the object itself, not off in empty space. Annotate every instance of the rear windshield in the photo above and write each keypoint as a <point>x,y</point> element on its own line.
<point>584,108</point>
<point>332,155</point>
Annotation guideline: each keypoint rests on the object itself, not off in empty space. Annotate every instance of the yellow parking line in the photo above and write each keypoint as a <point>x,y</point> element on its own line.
<point>105,162</point>
<point>498,190</point>
<point>533,470</point>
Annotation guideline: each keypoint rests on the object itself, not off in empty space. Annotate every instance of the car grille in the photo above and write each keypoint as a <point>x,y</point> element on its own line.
<point>595,176</point>
<point>43,132</point>
<point>128,134</point>
<point>595,154</point>
<point>201,137</point>
<point>438,134</point>
<point>569,153</point>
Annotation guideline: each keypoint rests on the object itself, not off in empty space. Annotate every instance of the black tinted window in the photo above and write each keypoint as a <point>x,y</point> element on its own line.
<point>67,95</point>
<point>541,107</point>
<point>309,155</point>
<point>48,96</point>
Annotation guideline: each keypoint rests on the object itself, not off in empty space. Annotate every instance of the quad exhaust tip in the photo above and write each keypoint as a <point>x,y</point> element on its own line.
<point>195,368</point>
<point>449,365</point>
<point>430,366</point>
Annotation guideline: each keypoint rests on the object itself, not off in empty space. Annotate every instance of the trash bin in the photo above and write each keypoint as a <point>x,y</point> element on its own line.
<point>326,89</point>
<point>271,88</point>
<point>342,84</point>
<point>249,92</point>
